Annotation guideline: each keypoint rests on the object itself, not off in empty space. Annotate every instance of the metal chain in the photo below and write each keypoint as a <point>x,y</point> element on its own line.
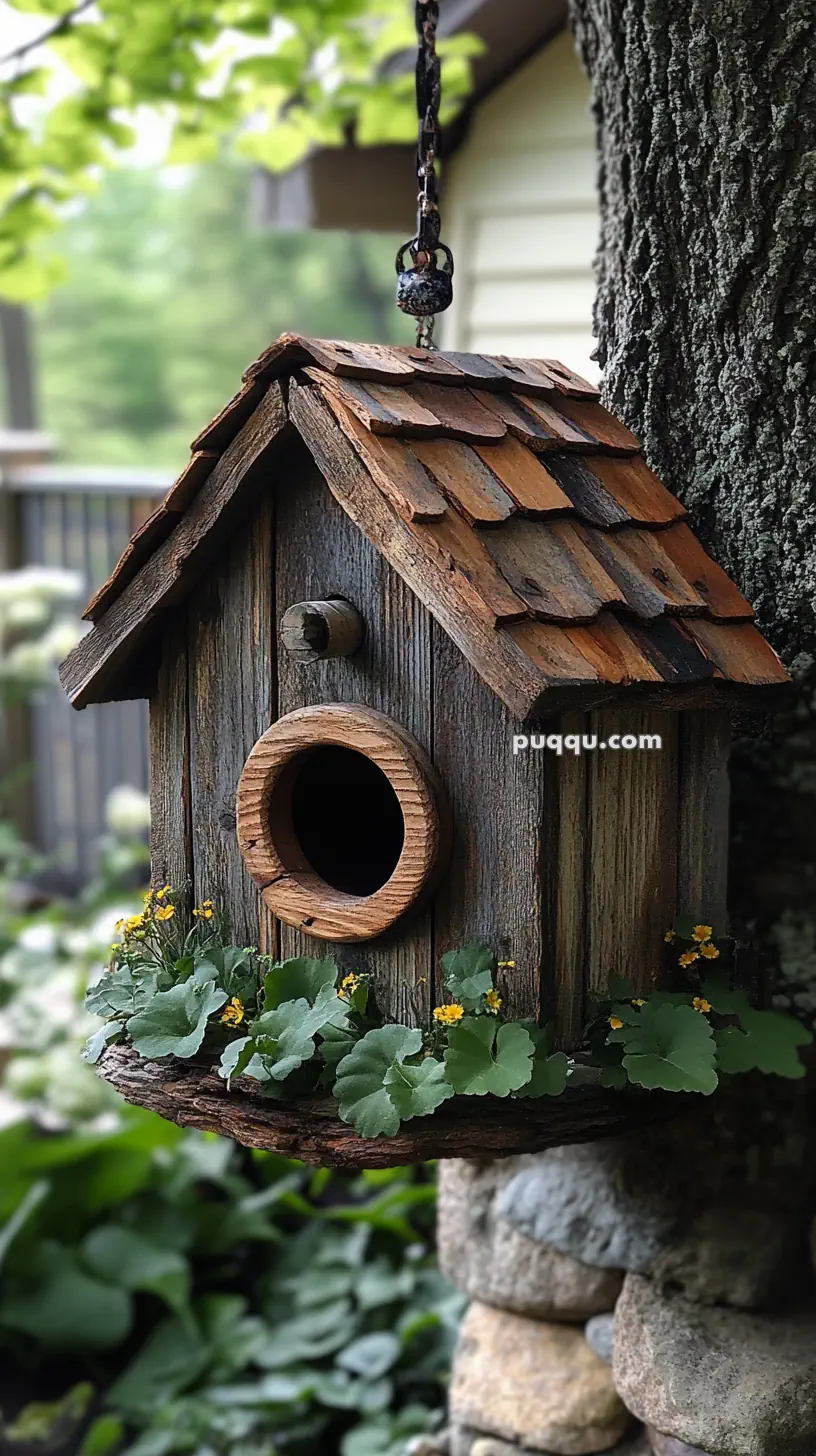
<point>426,289</point>
<point>428,97</point>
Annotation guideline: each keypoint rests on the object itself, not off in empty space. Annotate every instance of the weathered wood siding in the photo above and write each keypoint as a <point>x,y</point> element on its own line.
<point>321,553</point>
<point>521,214</point>
<point>493,891</point>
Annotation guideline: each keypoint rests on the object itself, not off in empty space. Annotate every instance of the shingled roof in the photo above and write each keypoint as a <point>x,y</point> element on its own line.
<point>516,507</point>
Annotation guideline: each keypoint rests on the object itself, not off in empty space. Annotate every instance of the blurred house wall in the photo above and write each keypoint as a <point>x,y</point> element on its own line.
<point>520,210</point>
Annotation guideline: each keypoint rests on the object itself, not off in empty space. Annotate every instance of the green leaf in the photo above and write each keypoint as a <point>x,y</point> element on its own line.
<point>371,1355</point>
<point>550,1069</point>
<point>174,1022</point>
<point>97,1042</point>
<point>49,1425</point>
<point>768,1042</point>
<point>241,1056</point>
<point>723,997</point>
<point>171,1358</point>
<point>124,1257</point>
<point>103,1437</point>
<point>469,974</point>
<point>122,992</point>
<point>302,976</point>
<point>62,1307</point>
<point>416,1090</point>
<point>363,1098</point>
<point>285,1037</point>
<point>671,1047</point>
<point>483,1058</point>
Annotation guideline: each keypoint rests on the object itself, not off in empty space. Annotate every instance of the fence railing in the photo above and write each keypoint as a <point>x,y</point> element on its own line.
<point>81,519</point>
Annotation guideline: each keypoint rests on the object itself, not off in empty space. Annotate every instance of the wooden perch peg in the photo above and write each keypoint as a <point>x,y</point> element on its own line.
<point>311,631</point>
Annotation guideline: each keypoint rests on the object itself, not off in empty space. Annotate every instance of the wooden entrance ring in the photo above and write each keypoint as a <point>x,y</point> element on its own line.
<point>291,888</point>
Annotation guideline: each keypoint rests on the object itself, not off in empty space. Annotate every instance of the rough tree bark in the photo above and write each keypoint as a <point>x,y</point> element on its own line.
<point>706,122</point>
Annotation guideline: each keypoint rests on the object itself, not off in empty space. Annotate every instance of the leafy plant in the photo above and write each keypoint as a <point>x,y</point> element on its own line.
<point>299,1029</point>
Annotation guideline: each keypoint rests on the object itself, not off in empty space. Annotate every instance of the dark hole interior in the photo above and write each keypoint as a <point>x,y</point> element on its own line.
<point>347,819</point>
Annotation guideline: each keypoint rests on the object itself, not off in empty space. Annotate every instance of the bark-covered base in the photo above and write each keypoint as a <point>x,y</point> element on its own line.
<point>464,1127</point>
<point>706,120</point>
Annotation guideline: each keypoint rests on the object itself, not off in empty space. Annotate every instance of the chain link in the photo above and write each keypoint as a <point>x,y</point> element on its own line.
<point>426,288</point>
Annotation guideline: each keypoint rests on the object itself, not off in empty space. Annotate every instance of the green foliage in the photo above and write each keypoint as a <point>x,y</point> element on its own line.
<point>469,974</point>
<point>173,291</point>
<point>668,1046</point>
<point>550,1069</point>
<point>272,96</point>
<point>174,1021</point>
<point>485,1058</point>
<point>765,1041</point>
<point>363,1097</point>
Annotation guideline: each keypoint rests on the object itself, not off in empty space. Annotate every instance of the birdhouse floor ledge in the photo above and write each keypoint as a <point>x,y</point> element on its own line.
<point>465,1127</point>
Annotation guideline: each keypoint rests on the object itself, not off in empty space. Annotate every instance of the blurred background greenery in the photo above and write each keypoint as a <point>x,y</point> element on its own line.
<point>161,1290</point>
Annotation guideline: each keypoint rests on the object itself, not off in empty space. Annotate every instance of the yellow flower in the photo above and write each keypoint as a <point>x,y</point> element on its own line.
<point>119,926</point>
<point>493,1001</point>
<point>147,897</point>
<point>689,957</point>
<point>133,923</point>
<point>702,932</point>
<point>165,890</point>
<point>670,936</point>
<point>507,965</point>
<point>233,1013</point>
<point>615,1022</point>
<point>709,951</point>
<point>700,1004</point>
<point>639,1002</point>
<point>449,1015</point>
<point>348,986</point>
<point>166,912</point>
<point>205,911</point>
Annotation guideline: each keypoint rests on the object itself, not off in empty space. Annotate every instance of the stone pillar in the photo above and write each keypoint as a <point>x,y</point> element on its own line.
<point>651,1293</point>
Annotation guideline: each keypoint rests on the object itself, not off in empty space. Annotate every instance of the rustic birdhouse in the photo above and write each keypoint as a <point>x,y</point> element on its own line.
<point>433,657</point>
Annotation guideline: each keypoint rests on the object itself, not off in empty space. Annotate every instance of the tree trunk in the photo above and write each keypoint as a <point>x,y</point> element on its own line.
<point>706,122</point>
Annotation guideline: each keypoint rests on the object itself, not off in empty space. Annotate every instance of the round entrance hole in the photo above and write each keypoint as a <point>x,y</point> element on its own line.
<point>346,818</point>
<point>343,822</point>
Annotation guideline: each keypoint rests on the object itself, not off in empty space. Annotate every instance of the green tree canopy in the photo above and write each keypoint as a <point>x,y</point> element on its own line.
<point>272,77</point>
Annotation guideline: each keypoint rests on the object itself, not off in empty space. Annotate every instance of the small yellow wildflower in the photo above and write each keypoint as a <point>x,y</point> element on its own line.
<point>702,932</point>
<point>204,911</point>
<point>165,912</point>
<point>670,936</point>
<point>615,1022</point>
<point>689,957</point>
<point>133,922</point>
<point>639,1002</point>
<point>233,1013</point>
<point>449,1015</point>
<point>709,951</point>
<point>164,891</point>
<point>493,1001</point>
<point>700,1004</point>
<point>120,926</point>
<point>147,897</point>
<point>507,965</point>
<point>348,986</point>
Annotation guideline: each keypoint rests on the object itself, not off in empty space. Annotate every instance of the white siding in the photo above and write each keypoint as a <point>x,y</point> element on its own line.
<point>521,214</point>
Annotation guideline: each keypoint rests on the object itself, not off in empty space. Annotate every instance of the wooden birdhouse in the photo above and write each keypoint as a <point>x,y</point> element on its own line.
<point>432,657</point>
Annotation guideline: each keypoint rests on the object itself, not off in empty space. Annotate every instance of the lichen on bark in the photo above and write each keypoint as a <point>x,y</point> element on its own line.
<point>705,313</point>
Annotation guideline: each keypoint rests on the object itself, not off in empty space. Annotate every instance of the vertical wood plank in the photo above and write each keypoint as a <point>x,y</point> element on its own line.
<point>171,856</point>
<point>567,867</point>
<point>320,553</point>
<point>232,701</point>
<point>702,881</point>
<point>632,821</point>
<point>493,891</point>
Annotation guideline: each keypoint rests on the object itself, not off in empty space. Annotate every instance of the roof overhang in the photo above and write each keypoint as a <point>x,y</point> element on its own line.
<point>369,189</point>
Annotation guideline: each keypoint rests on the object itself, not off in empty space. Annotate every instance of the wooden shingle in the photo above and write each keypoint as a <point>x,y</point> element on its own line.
<point>512,503</point>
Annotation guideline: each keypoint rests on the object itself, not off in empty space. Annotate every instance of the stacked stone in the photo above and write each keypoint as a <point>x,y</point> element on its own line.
<point>645,1294</point>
